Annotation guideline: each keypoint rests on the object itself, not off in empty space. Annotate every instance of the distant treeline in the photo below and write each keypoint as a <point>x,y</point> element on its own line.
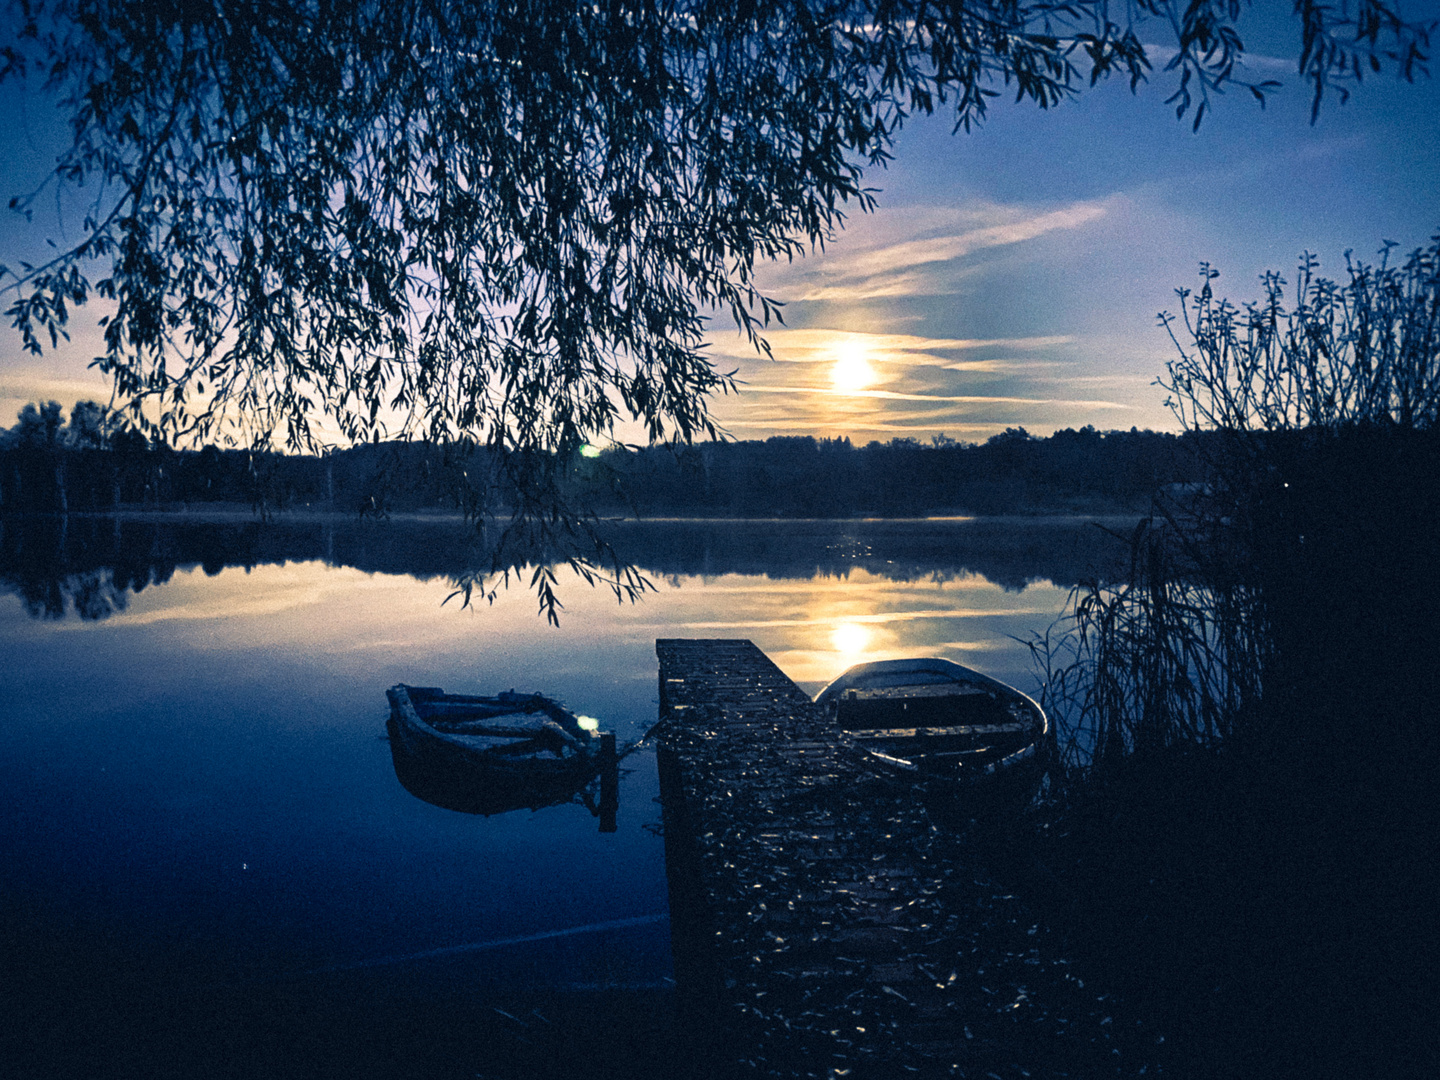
<point>91,464</point>
<point>1014,472</point>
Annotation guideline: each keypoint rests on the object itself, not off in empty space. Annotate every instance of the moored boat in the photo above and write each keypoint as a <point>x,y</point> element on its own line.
<point>489,755</point>
<point>937,720</point>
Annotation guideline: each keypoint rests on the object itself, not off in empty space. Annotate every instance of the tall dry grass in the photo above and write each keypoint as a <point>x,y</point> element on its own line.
<point>1181,652</point>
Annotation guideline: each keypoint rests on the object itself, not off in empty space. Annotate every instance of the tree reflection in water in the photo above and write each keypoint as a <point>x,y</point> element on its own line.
<point>88,565</point>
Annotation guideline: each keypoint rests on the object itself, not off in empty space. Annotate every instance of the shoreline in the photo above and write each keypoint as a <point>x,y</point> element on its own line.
<point>229,512</point>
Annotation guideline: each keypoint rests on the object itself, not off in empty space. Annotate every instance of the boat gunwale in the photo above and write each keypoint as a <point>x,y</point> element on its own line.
<point>959,675</point>
<point>506,759</point>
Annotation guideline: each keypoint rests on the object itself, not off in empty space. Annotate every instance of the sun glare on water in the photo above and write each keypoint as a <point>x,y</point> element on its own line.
<point>852,370</point>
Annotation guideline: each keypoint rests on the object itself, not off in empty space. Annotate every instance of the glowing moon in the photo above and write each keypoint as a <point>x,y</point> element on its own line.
<point>850,638</point>
<point>852,370</point>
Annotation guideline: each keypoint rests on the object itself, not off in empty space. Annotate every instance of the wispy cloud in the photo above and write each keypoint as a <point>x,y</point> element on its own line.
<point>966,399</point>
<point>820,345</point>
<point>809,425</point>
<point>1160,55</point>
<point>944,248</point>
<point>881,619</point>
<point>910,253</point>
<point>1008,364</point>
<point>29,384</point>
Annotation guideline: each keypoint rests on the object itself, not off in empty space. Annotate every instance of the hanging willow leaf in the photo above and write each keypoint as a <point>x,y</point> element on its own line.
<point>507,221</point>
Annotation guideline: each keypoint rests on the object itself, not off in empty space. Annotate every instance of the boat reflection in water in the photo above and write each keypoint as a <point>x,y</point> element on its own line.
<point>491,755</point>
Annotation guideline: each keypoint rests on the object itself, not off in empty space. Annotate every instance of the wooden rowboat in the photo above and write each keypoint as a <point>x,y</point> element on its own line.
<point>936,720</point>
<point>490,755</point>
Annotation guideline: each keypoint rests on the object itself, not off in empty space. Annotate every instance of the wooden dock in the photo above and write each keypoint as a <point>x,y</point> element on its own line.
<point>825,921</point>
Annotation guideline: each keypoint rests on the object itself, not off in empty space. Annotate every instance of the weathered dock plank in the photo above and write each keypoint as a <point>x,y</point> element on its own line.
<point>823,923</point>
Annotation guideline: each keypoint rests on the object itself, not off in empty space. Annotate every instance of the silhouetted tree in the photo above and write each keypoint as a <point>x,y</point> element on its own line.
<point>42,450</point>
<point>507,221</point>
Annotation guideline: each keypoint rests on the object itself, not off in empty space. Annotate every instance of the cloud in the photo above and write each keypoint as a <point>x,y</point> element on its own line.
<point>891,285</point>
<point>811,426</point>
<point>915,252</point>
<point>967,399</point>
<point>1160,55</point>
<point>21,386</point>
<point>944,248</point>
<point>999,365</point>
<point>821,345</point>
<point>869,619</point>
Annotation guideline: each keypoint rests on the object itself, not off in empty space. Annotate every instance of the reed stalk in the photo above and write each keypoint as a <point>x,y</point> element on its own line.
<point>1181,651</point>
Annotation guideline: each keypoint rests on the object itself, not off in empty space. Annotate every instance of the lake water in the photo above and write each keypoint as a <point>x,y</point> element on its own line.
<point>199,798</point>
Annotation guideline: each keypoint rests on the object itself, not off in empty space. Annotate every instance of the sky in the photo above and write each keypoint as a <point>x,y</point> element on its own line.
<point>1011,276</point>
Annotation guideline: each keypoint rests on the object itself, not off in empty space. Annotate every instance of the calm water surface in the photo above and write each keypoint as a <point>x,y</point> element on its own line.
<point>200,780</point>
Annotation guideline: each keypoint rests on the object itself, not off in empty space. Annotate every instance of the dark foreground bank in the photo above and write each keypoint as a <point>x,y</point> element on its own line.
<point>1269,892</point>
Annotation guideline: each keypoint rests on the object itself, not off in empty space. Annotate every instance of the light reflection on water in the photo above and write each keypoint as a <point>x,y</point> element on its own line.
<point>816,629</point>
<point>204,770</point>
